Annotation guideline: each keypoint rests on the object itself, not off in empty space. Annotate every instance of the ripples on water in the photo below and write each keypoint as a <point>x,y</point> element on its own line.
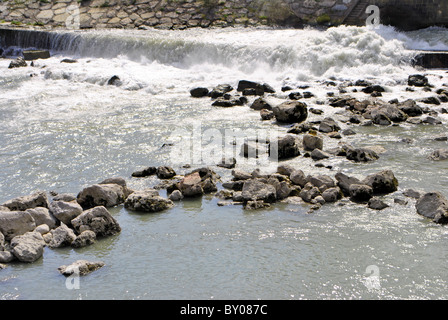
<point>63,129</point>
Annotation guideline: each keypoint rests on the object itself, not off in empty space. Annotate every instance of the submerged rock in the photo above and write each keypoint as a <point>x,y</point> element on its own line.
<point>86,238</point>
<point>434,206</point>
<point>80,267</point>
<point>377,204</point>
<point>439,155</point>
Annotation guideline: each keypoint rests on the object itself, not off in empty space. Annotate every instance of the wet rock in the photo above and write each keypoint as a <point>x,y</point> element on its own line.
<point>434,206</point>
<point>80,267</point>
<point>35,54</point>
<point>268,88</point>
<point>267,114</point>
<point>382,182</point>
<point>318,154</point>
<point>256,189</point>
<point>329,125</point>
<point>68,60</point>
<point>260,104</point>
<point>63,236</point>
<point>360,192</point>
<point>65,211</point>
<point>411,108</point>
<point>377,204</point>
<point>43,216</point>
<point>299,178</point>
<point>311,142</point>
<point>282,188</point>
<point>322,182</point>
<point>6,257</point>
<point>17,63</point>
<point>165,172</point>
<point>331,195</point>
<point>302,128</point>
<point>361,154</point>
<point>98,220</point>
<point>37,199</point>
<point>241,175</point>
<point>418,80</point>
<point>295,96</point>
<point>431,120</point>
<point>147,201</point>
<point>439,155</point>
<point>67,197</point>
<point>146,172</point>
<point>348,132</point>
<point>411,193</point>
<point>107,195</point>
<point>86,238</point>
<point>286,147</point>
<point>309,192</point>
<point>220,90</point>
<point>430,100</point>
<point>373,88</point>
<point>285,170</point>
<point>256,205</point>
<point>229,102</point>
<point>114,81</point>
<point>176,195</point>
<point>381,119</point>
<point>28,247</point>
<point>199,92</point>
<point>255,87</point>
<point>228,163</point>
<point>15,223</point>
<point>291,112</point>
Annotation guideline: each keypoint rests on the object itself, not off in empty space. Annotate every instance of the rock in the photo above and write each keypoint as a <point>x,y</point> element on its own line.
<point>318,154</point>
<point>376,204</point>
<point>86,238</point>
<point>267,114</point>
<point>29,55</point>
<point>17,63</point>
<point>332,194</point>
<point>199,92</point>
<point>295,96</point>
<point>65,211</point>
<point>268,88</point>
<point>381,119</point>
<point>240,175</point>
<point>42,229</point>
<point>43,216</point>
<point>227,163</point>
<point>260,104</point>
<point>285,170</point>
<point>382,182</point>
<point>291,112</point>
<point>229,102</point>
<point>6,257</point>
<point>297,177</point>
<point>256,205</point>
<point>309,192</point>
<point>68,60</point>
<point>361,154</point>
<point>256,189</point>
<point>430,100</point>
<point>80,267</point>
<point>360,192</point>
<point>165,172</point>
<point>245,84</point>
<point>114,81</point>
<point>410,108</point>
<point>220,90</point>
<point>322,181</point>
<point>285,147</point>
<point>28,247</point>
<point>147,201</point>
<point>311,142</point>
<point>302,128</point>
<point>107,195</point>
<point>328,125</point>
<point>2,242</point>
<point>344,182</point>
<point>418,80</point>
<point>63,236</point>
<point>373,88</point>
<point>433,205</point>
<point>67,197</point>
<point>198,182</point>
<point>410,193</point>
<point>348,132</point>
<point>97,219</point>
<point>234,185</point>
<point>431,120</point>
<point>3,208</point>
<point>38,199</point>
<point>15,223</point>
<point>439,155</point>
<point>176,195</point>
<point>146,172</point>
<point>282,188</point>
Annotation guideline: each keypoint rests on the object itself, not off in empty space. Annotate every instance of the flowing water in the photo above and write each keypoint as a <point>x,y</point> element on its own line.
<point>63,128</point>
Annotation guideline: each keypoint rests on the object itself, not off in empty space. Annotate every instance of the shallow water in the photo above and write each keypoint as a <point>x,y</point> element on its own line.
<point>63,129</point>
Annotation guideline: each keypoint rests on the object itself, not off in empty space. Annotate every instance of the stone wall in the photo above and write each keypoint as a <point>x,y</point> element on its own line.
<point>170,14</point>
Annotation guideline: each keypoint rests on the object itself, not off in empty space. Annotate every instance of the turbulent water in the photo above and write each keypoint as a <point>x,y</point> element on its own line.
<point>63,128</point>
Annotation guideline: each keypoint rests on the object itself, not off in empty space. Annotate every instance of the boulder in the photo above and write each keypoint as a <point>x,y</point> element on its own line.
<point>146,172</point>
<point>6,256</point>
<point>361,154</point>
<point>266,114</point>
<point>410,108</point>
<point>42,229</point>
<point>220,90</point>
<point>80,268</point>
<point>86,238</point>
<point>228,101</point>
<point>240,175</point>
<point>15,223</point>
<point>260,104</point>
<point>63,236</point>
<point>67,197</point>
<point>199,92</point>
<point>97,219</point>
<point>382,182</point>
<point>198,182</point>
<point>107,195</point>
<point>257,189</point>
<point>147,201</point>
<point>318,154</point>
<point>434,206</point>
<point>332,195</point>
<point>344,182</point>
<point>176,195</point>
<point>360,192</point>
<point>17,63</point>
<point>285,147</point>
<point>373,88</point>
<point>322,182</point>
<point>311,142</point>
<point>418,80</point>
<point>65,211</point>
<point>377,204</point>
<point>28,247</point>
<point>299,178</point>
<point>309,192</point>
<point>43,216</point>
<point>291,112</point>
<point>35,54</point>
<point>285,170</point>
<point>165,172</point>
<point>329,125</point>
<point>256,87</point>
<point>439,155</point>
<point>37,199</point>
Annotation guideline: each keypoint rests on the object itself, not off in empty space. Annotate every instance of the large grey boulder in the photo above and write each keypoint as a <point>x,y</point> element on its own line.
<point>15,223</point>
<point>147,201</point>
<point>43,216</point>
<point>382,182</point>
<point>106,195</point>
<point>65,211</point>
<point>37,199</point>
<point>434,206</point>
<point>311,142</point>
<point>344,182</point>
<point>291,112</point>
<point>63,236</point>
<point>28,247</point>
<point>80,268</point>
<point>257,189</point>
<point>98,220</point>
<point>299,178</point>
